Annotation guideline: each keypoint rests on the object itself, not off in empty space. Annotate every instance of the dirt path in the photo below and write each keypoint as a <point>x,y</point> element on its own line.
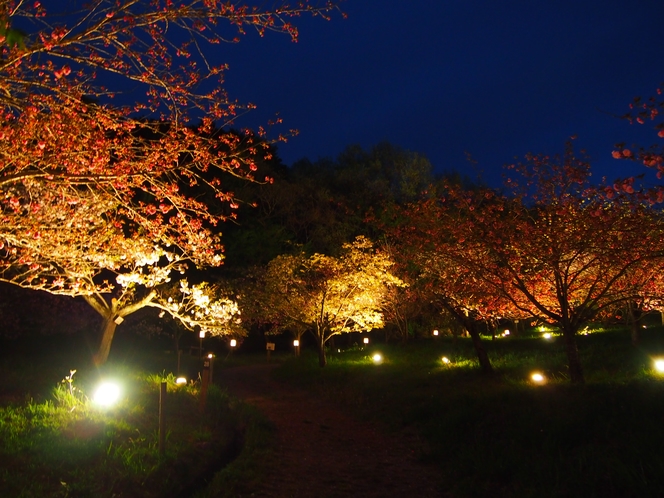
<point>324,453</point>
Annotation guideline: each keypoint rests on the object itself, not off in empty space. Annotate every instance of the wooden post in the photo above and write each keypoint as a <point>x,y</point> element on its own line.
<point>162,424</point>
<point>205,381</point>
<point>270,348</point>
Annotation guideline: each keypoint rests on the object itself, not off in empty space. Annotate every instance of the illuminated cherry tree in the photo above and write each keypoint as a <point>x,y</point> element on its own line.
<point>110,119</point>
<point>329,295</point>
<point>559,250</point>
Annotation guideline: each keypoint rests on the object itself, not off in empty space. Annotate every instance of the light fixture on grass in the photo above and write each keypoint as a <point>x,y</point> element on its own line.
<point>180,381</point>
<point>547,335</point>
<point>377,358</point>
<point>106,394</point>
<point>446,360</point>
<point>659,365</point>
<point>537,378</point>
<point>506,333</point>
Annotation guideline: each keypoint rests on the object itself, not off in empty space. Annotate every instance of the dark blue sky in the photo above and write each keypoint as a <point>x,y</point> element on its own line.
<point>449,77</point>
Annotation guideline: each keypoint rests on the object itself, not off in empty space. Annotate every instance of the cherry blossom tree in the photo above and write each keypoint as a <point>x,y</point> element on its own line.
<point>110,117</point>
<point>329,295</point>
<point>558,249</point>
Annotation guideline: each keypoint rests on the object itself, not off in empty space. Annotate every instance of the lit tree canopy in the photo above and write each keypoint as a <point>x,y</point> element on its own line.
<point>97,105</point>
<point>329,295</point>
<point>112,157</point>
<point>557,248</point>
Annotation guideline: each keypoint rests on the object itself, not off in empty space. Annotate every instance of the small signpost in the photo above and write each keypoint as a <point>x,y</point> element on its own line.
<point>162,417</point>
<point>205,381</point>
<point>269,347</point>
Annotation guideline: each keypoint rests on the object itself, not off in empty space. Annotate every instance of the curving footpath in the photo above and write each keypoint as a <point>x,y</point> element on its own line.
<point>325,453</point>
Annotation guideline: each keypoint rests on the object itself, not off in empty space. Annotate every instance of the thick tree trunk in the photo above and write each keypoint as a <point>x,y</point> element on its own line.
<point>106,339</point>
<point>573,359</point>
<point>485,364</point>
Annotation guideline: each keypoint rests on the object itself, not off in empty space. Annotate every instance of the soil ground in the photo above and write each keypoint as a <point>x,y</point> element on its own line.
<point>323,452</point>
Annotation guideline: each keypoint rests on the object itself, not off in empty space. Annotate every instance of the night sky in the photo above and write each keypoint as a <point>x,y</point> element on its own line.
<point>450,78</point>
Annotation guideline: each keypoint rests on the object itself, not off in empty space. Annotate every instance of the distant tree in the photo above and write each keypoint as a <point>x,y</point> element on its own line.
<point>329,295</point>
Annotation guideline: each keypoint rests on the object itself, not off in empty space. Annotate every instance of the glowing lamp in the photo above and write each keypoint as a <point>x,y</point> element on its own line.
<point>547,335</point>
<point>365,340</point>
<point>180,381</point>
<point>446,360</point>
<point>210,355</point>
<point>201,334</point>
<point>506,333</point>
<point>377,358</point>
<point>233,343</point>
<point>537,378</point>
<point>296,343</point>
<point>435,332</point>
<point>107,394</point>
<point>659,365</point>
<point>542,329</point>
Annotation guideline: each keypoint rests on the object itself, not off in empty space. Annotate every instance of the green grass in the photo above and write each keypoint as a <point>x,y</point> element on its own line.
<point>503,435</point>
<point>55,442</point>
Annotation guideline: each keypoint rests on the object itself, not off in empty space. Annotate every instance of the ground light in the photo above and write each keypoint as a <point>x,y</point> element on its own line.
<point>180,381</point>
<point>435,332</point>
<point>106,394</point>
<point>377,358</point>
<point>446,360</point>
<point>547,335</point>
<point>537,378</point>
<point>659,365</point>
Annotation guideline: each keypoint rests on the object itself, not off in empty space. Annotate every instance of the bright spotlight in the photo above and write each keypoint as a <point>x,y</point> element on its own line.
<point>659,365</point>
<point>446,360</point>
<point>377,358</point>
<point>233,343</point>
<point>180,381</point>
<point>107,394</point>
<point>506,333</point>
<point>296,343</point>
<point>547,335</point>
<point>435,332</point>
<point>537,378</point>
<point>365,340</point>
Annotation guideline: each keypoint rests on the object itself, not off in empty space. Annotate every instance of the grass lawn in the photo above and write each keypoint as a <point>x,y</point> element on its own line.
<point>54,441</point>
<point>498,436</point>
<point>506,435</point>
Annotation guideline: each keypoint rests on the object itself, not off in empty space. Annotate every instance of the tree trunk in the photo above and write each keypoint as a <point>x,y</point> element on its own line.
<point>322,360</point>
<point>633,314</point>
<point>573,360</point>
<point>106,339</point>
<point>485,364</point>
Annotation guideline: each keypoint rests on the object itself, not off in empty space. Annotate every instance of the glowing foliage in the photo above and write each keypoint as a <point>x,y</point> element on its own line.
<point>330,295</point>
